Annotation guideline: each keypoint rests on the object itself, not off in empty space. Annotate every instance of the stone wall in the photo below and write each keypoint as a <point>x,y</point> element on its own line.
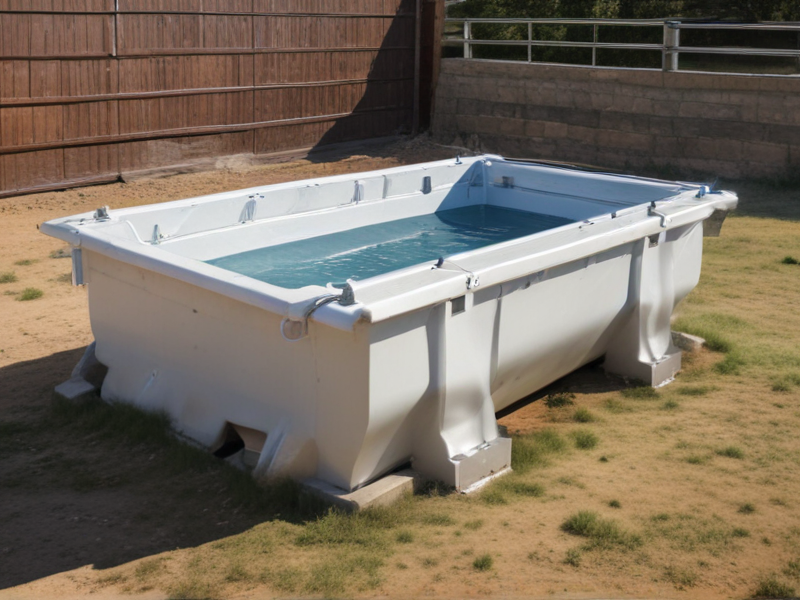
<point>734,126</point>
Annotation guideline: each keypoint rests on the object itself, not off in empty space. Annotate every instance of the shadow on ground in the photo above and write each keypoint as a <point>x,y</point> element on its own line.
<point>77,492</point>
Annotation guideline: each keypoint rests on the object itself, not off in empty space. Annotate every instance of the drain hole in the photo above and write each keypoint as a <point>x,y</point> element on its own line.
<point>236,439</point>
<point>231,443</point>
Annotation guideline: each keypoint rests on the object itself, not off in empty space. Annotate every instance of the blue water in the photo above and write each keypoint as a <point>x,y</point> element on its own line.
<point>375,249</point>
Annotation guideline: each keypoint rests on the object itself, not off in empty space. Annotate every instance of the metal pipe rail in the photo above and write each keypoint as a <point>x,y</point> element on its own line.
<point>670,46</point>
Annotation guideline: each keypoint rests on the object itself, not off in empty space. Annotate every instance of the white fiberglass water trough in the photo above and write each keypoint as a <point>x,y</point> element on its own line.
<point>217,309</point>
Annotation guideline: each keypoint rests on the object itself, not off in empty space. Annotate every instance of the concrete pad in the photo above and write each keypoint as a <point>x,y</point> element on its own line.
<point>76,389</point>
<point>382,492</point>
<point>687,341</point>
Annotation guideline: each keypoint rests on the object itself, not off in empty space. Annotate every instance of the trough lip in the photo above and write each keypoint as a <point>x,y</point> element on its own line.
<point>405,290</point>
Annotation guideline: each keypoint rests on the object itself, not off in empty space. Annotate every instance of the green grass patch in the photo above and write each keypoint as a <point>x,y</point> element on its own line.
<point>670,405</point>
<point>748,508</point>
<point>438,519</point>
<point>584,439</point>
<point>474,525</point>
<point>790,260</point>
<point>30,293</point>
<point>772,587</point>
<point>8,277</point>
<point>615,504</point>
<point>600,533</point>
<point>536,449</point>
<point>730,365</point>
<point>731,452</point>
<point>696,390</point>
<point>559,400</point>
<point>404,537</point>
<point>640,392</point>
<point>583,415</point>
<point>483,562</point>
<point>616,407</point>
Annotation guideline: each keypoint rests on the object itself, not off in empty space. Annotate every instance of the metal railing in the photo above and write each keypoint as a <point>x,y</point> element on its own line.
<point>670,46</point>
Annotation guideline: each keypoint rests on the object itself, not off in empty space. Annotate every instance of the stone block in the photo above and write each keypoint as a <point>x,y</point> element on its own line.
<point>383,492</point>
<point>76,389</point>
<point>555,130</point>
<point>770,154</point>
<point>704,110</point>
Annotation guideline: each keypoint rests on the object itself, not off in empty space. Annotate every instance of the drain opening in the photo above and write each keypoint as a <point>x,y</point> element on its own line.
<point>238,442</point>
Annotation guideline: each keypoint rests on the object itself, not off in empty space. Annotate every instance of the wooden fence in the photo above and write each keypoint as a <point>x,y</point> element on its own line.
<point>91,89</point>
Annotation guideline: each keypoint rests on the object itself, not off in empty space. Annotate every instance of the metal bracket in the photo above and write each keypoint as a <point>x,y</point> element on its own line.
<point>157,235</point>
<point>652,212</point>
<point>101,214</point>
<point>249,210</point>
<point>358,192</point>
<point>426,184</point>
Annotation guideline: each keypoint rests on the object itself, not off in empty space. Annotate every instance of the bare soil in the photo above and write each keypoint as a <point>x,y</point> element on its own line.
<point>82,516</point>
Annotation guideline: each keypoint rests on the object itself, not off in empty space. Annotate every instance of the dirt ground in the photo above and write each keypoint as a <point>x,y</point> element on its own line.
<point>78,518</point>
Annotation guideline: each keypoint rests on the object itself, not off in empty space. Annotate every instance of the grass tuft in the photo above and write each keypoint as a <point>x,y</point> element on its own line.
<point>771,587</point>
<point>474,525</point>
<point>748,508</point>
<point>584,439</point>
<point>615,504</point>
<point>25,262</point>
<point>573,557</point>
<point>613,405</point>
<point>583,415</point>
<point>670,405</point>
<point>680,578</point>
<point>8,277</point>
<point>640,392</point>
<point>730,365</point>
<point>731,452</point>
<point>535,449</point>
<point>30,293</point>
<point>483,562</point>
<point>601,533</point>
<point>790,260</point>
<point>559,400</point>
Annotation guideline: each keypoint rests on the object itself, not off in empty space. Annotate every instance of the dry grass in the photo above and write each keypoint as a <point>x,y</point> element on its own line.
<point>687,463</point>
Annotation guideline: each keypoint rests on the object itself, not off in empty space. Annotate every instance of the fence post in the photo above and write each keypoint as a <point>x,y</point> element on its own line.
<point>530,39</point>
<point>594,48</point>
<point>467,47</point>
<point>672,41</point>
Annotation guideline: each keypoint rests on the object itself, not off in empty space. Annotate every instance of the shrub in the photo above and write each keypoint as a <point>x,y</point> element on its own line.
<point>573,557</point>
<point>747,508</point>
<point>790,260</point>
<point>8,277</point>
<point>615,504</point>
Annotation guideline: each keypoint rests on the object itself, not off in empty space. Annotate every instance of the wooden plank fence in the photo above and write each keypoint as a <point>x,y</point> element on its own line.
<point>91,89</point>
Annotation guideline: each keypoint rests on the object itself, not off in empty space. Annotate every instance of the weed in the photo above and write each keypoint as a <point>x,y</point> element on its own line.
<point>534,450</point>
<point>781,386</point>
<point>584,439</point>
<point>731,452</point>
<point>792,569</point>
<point>113,578</point>
<point>583,415</point>
<point>603,459</point>
<point>601,533</point>
<point>698,390</point>
<point>747,508</point>
<point>670,405</point>
<point>790,260</point>
<point>8,277</point>
<point>474,525</point>
<point>640,392</point>
<point>483,562</point>
<point>573,557</point>
<point>404,537</point>
<point>680,578</point>
<point>766,541</point>
<point>30,293</point>
<point>61,253</point>
<point>521,488</point>
<point>64,278</point>
<point>771,587</point>
<point>237,572</point>
<point>559,400</point>
<point>786,383</point>
<point>615,504</point>
<point>430,562</point>
<point>26,262</point>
